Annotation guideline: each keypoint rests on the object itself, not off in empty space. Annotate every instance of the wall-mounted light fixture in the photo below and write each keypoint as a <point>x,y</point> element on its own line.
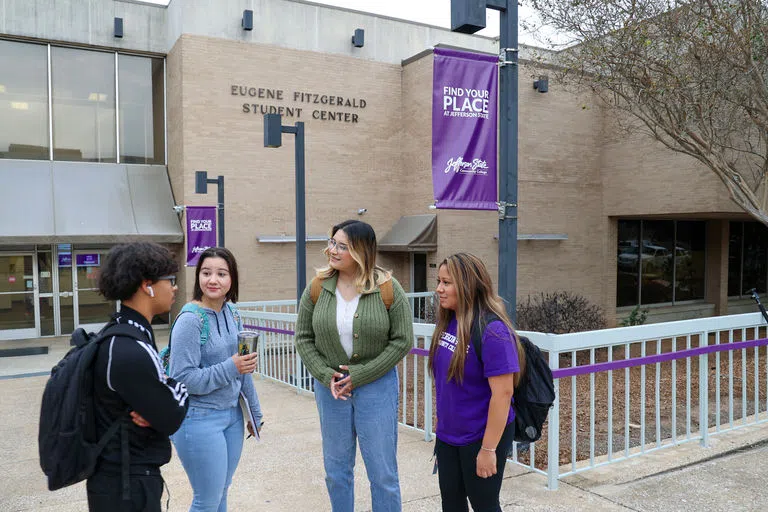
<point>358,38</point>
<point>119,27</point>
<point>542,84</point>
<point>247,22</point>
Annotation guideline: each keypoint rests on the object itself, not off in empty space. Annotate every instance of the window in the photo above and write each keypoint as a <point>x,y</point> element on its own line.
<point>83,120</point>
<point>142,128</point>
<point>660,261</point>
<point>690,257</point>
<point>24,101</point>
<point>747,258</point>
<point>83,89</point>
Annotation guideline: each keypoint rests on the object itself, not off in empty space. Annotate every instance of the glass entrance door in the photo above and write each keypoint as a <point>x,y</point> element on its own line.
<point>18,314</point>
<point>91,308</point>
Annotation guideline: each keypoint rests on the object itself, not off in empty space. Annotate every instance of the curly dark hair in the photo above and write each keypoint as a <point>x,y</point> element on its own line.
<point>227,256</point>
<point>127,265</point>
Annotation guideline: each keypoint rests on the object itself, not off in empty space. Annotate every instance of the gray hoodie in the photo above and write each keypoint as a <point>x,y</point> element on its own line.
<point>208,370</point>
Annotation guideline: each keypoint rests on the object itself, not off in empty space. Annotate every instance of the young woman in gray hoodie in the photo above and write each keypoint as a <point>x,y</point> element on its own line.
<point>204,356</point>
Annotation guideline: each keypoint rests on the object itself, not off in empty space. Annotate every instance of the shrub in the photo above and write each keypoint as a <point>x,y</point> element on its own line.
<point>636,317</point>
<point>559,312</point>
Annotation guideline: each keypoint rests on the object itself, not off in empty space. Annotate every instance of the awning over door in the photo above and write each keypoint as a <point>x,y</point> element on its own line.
<point>73,202</point>
<point>412,233</point>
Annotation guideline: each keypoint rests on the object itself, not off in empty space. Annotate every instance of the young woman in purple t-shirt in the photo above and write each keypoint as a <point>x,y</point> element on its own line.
<point>475,418</point>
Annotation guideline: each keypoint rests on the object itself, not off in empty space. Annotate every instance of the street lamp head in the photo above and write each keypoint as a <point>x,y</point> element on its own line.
<point>201,182</point>
<point>542,84</point>
<point>358,38</point>
<point>273,130</point>
<point>467,16</point>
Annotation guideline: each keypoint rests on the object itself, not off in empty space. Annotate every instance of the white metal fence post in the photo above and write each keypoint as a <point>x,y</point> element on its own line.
<point>553,429</point>
<point>704,391</point>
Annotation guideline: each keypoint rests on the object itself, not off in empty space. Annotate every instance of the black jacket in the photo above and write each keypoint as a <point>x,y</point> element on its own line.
<point>128,376</point>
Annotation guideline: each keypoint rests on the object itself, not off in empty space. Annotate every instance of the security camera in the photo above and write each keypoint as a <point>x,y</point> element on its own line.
<point>362,211</point>
<point>178,209</point>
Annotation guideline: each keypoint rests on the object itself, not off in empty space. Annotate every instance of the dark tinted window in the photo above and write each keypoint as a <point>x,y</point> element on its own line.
<point>689,260</point>
<point>628,263</point>
<point>755,257</point>
<point>660,261</point>
<point>734,258</point>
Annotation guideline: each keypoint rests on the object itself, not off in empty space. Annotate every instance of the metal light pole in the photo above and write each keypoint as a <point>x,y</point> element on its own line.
<point>273,130</point>
<point>201,187</point>
<point>468,16</point>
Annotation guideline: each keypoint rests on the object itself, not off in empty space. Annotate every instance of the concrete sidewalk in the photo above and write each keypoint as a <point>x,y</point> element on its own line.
<point>284,472</point>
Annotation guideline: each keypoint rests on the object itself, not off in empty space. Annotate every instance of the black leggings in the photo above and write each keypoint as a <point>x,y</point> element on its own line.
<point>105,492</point>
<point>457,473</point>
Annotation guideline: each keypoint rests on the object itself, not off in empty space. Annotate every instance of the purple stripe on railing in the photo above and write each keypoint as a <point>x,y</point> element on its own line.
<point>416,351</point>
<point>268,329</point>
<point>620,364</point>
<point>562,373</point>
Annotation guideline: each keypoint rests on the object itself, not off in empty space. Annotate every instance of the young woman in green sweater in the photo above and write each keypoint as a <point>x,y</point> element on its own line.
<point>351,342</point>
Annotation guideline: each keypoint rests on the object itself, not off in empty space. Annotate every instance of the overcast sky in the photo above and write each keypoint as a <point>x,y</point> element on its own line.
<point>433,12</point>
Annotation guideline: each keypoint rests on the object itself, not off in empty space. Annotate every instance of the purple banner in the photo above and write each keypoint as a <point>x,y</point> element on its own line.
<point>201,231</point>
<point>464,130</point>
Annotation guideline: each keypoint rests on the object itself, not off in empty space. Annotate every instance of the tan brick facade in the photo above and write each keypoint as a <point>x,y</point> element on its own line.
<point>577,173</point>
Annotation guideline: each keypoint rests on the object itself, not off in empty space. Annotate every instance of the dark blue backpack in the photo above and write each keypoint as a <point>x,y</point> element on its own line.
<point>67,431</point>
<point>534,394</point>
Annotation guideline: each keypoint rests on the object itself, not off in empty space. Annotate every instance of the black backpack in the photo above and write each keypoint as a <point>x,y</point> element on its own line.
<point>534,394</point>
<point>67,431</point>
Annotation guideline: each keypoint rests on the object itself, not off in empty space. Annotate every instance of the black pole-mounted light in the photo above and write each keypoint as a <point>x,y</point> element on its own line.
<point>247,22</point>
<point>542,84</point>
<point>358,38</point>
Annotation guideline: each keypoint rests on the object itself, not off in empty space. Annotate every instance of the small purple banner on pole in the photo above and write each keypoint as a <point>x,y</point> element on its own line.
<point>201,231</point>
<point>464,117</point>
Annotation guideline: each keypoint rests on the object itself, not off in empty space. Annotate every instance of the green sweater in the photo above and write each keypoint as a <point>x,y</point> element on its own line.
<point>381,338</point>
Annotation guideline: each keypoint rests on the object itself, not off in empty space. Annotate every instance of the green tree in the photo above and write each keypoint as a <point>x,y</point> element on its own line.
<point>691,74</point>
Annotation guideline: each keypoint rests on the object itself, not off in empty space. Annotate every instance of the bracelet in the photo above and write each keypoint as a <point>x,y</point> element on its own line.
<point>488,449</point>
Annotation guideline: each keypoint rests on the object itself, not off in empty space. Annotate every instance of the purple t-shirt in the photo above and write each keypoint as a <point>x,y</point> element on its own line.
<point>462,410</point>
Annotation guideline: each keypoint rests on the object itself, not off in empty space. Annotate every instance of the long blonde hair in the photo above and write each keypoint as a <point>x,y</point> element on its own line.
<point>475,297</point>
<point>362,247</point>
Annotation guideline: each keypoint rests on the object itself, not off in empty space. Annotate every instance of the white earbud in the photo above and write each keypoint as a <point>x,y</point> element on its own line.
<point>151,291</point>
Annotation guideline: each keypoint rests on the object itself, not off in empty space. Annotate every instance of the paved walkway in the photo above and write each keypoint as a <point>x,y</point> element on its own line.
<point>284,472</point>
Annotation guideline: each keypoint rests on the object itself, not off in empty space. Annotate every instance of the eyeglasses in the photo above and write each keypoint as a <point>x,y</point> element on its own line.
<point>333,244</point>
<point>171,279</point>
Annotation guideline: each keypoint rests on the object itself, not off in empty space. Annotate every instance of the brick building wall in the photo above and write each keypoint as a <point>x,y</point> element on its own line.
<point>577,173</point>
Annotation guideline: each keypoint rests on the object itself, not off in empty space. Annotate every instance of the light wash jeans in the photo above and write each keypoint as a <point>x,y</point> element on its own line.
<point>369,416</point>
<point>209,444</point>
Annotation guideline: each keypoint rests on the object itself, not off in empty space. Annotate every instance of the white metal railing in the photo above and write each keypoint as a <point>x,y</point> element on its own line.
<point>621,392</point>
<point>422,305</point>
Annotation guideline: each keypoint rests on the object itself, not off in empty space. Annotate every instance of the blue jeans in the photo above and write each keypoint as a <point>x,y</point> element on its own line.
<point>370,416</point>
<point>209,444</point>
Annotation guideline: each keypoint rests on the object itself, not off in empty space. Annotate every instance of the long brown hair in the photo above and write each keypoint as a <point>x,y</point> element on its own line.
<point>362,247</point>
<point>475,297</point>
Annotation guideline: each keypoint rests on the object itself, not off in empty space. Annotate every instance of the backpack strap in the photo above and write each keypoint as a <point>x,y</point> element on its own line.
<point>387,293</point>
<point>315,287</point>
<point>478,329</point>
<point>236,315</point>
<point>189,307</point>
<point>205,328</point>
